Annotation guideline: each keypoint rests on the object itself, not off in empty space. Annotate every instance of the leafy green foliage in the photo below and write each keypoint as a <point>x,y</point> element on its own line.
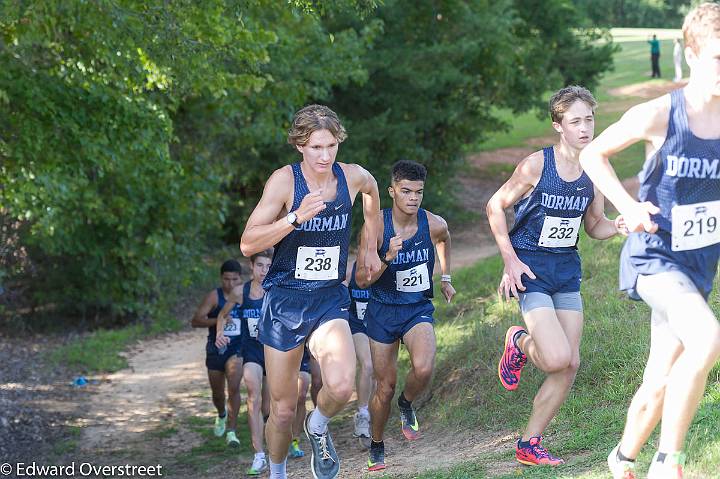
<point>138,135</point>
<point>436,73</point>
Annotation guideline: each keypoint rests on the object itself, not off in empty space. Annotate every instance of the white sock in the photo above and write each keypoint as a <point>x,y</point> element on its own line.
<point>260,455</point>
<point>318,423</point>
<point>363,411</point>
<point>278,471</point>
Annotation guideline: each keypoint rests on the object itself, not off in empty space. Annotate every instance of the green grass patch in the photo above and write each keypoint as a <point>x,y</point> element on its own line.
<point>467,394</point>
<point>213,450</point>
<point>632,65</point>
<point>99,351</point>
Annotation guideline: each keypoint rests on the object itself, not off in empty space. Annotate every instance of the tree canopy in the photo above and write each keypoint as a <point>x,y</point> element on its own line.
<point>136,135</point>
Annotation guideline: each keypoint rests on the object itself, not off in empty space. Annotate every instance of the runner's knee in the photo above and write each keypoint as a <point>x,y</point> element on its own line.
<point>283,414</point>
<point>340,387</point>
<point>385,388</point>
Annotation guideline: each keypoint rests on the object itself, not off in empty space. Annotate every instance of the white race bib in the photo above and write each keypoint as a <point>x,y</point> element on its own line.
<point>695,226</point>
<point>232,327</point>
<point>360,310</point>
<point>253,326</point>
<point>559,232</point>
<point>413,280</point>
<point>317,263</point>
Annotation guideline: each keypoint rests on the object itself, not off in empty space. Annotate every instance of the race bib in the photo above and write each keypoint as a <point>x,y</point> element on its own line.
<point>695,226</point>
<point>559,232</point>
<point>317,263</point>
<point>253,326</point>
<point>413,280</point>
<point>232,327</point>
<point>360,310</point>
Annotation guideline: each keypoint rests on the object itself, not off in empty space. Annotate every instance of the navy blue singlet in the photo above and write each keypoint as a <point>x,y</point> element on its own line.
<point>234,313</point>
<point>250,314</point>
<point>408,279</point>
<point>314,242</point>
<point>555,198</point>
<point>684,171</point>
<point>357,296</point>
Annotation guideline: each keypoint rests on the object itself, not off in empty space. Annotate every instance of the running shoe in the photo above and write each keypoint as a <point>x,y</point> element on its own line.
<point>512,361</point>
<point>535,454</point>
<point>324,461</point>
<point>670,468</point>
<point>259,466</point>
<point>294,449</point>
<point>232,440</point>
<point>219,428</point>
<point>376,460</point>
<point>620,469</point>
<point>409,423</point>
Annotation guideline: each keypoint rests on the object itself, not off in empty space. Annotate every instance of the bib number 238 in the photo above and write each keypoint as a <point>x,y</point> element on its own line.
<point>559,232</point>
<point>317,263</point>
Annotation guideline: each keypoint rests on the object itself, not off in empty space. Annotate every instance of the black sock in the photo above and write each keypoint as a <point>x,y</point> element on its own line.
<point>265,418</point>
<point>622,457</point>
<point>661,457</point>
<point>222,415</point>
<point>403,402</point>
<point>376,444</point>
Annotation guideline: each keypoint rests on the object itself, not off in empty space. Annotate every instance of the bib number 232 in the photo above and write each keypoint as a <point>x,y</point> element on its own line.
<point>317,263</point>
<point>559,232</point>
<point>695,226</point>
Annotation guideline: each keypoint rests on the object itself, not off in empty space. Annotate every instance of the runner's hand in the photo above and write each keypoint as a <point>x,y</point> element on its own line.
<point>512,278</point>
<point>447,290</point>
<point>637,218</point>
<point>620,225</point>
<point>310,206</point>
<point>372,263</point>
<point>394,248</point>
<point>221,340</point>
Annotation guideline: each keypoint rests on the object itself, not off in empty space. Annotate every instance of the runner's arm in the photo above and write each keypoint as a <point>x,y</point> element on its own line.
<point>200,318</point>
<point>264,229</point>
<point>235,297</point>
<point>524,178</point>
<point>361,272</point>
<point>648,122</point>
<point>440,235</point>
<point>597,225</point>
<point>373,221</point>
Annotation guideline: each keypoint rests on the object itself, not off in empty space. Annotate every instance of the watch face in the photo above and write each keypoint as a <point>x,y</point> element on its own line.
<point>291,218</point>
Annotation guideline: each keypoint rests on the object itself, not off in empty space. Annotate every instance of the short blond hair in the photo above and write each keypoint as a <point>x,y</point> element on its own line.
<point>311,119</point>
<point>565,97</point>
<point>701,23</point>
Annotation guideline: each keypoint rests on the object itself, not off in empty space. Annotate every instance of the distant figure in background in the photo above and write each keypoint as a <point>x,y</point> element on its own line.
<point>655,56</point>
<point>677,60</point>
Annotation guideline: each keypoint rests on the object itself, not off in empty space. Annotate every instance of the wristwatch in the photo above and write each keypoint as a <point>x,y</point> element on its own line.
<point>384,261</point>
<point>292,219</point>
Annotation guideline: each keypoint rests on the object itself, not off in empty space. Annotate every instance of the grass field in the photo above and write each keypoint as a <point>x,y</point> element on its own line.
<point>615,345</point>
<point>632,65</point>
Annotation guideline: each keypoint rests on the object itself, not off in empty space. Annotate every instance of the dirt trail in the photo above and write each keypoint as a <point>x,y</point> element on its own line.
<point>166,382</point>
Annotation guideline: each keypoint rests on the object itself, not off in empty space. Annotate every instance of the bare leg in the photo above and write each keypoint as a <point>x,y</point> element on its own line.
<point>555,343</point>
<point>253,375</point>
<point>282,375</point>
<point>364,381</point>
<point>384,359</point>
<point>217,387</point>
<point>234,374</point>
<point>420,343</point>
<point>332,345</point>
<point>303,385</point>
